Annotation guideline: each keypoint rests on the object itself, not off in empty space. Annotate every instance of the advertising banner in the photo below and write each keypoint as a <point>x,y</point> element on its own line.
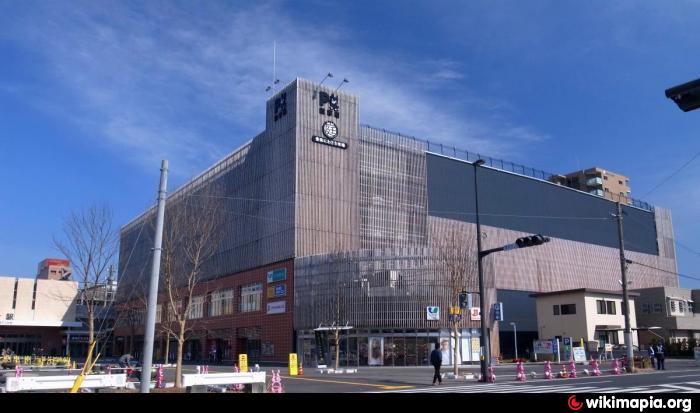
<point>579,354</point>
<point>375,357</point>
<point>543,347</point>
<point>293,367</point>
<point>243,363</point>
<point>475,314</point>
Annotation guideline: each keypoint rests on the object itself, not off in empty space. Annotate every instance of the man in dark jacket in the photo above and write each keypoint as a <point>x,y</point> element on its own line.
<point>660,356</point>
<point>436,361</point>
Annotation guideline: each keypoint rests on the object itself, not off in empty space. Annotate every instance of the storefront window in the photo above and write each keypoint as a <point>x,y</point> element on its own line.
<point>411,351</point>
<point>388,351</point>
<point>399,351</point>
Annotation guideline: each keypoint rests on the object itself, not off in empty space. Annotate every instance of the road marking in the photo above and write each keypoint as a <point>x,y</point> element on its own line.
<point>338,382</point>
<point>688,389</point>
<point>628,390</point>
<point>397,387</point>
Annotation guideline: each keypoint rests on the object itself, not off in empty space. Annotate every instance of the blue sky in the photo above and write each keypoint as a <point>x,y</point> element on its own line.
<point>93,94</point>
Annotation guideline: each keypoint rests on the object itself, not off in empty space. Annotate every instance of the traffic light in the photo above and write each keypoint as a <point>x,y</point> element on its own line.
<point>531,241</point>
<point>463,302</point>
<point>686,96</point>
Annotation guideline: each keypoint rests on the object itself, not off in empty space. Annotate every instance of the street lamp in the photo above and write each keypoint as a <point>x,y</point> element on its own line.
<point>515,337</point>
<point>486,353</point>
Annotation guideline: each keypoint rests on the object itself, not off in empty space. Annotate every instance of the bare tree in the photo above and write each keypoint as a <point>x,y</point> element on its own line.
<point>456,258</point>
<point>191,236</point>
<point>90,243</point>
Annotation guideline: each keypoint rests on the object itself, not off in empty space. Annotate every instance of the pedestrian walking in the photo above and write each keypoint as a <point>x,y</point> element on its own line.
<point>660,356</point>
<point>652,355</point>
<point>436,361</point>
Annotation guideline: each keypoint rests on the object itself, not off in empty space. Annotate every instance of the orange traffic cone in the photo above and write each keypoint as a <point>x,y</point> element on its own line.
<point>301,369</point>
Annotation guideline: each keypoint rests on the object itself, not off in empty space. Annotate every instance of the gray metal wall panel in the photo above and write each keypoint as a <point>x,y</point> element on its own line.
<point>524,204</point>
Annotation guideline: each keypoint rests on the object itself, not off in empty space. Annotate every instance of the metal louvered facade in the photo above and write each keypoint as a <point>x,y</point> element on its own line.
<point>361,224</point>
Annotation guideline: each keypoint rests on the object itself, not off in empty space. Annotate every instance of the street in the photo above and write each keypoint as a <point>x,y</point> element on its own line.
<point>681,376</point>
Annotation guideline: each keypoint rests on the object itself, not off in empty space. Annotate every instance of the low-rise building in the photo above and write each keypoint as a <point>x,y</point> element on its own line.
<point>33,313</point>
<point>668,313</point>
<point>596,316</point>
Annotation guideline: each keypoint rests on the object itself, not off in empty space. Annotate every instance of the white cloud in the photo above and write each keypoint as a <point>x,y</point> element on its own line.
<point>189,84</point>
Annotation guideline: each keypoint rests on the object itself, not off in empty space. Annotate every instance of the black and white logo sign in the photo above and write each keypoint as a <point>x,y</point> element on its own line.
<point>329,129</point>
<point>330,132</point>
<point>280,106</point>
<point>328,104</point>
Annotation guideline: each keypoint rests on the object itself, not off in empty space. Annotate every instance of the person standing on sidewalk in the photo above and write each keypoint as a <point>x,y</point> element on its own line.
<point>436,361</point>
<point>652,355</point>
<point>660,356</point>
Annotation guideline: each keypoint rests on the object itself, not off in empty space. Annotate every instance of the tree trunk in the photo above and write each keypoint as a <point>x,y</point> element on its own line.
<point>178,365</point>
<point>167,348</point>
<point>456,349</point>
<point>337,349</point>
<point>91,325</point>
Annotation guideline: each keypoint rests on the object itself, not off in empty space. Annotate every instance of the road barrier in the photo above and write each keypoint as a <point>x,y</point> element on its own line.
<point>276,383</point>
<point>548,370</point>
<point>40,383</point>
<point>520,371</point>
<point>197,383</point>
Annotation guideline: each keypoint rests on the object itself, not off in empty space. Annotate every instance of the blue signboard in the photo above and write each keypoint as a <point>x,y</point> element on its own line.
<point>280,274</point>
<point>555,346</point>
<point>280,290</point>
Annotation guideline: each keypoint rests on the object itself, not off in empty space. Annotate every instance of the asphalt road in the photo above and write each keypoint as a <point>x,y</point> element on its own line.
<point>680,376</point>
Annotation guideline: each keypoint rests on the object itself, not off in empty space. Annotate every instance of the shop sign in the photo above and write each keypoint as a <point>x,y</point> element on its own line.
<point>475,314</point>
<point>280,274</point>
<point>276,307</point>
<point>543,347</point>
<point>277,291</point>
<point>579,354</point>
<point>432,313</point>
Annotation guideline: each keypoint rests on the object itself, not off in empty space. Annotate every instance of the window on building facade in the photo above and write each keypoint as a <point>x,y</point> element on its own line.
<point>672,305</point>
<point>681,307</point>
<point>658,308</point>
<point>251,297</point>
<point>221,303</point>
<point>568,309</point>
<point>690,307</point>
<point>611,307</point>
<point>556,310</point>
<point>601,306</point>
<point>196,309</point>
<point>646,308</point>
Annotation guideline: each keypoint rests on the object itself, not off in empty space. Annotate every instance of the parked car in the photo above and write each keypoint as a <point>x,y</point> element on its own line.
<point>620,350</point>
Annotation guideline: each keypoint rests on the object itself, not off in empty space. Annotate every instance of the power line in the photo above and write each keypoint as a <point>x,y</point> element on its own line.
<point>672,175</point>
<point>662,270</point>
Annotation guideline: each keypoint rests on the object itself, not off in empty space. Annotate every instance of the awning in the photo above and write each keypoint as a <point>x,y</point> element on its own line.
<point>676,298</point>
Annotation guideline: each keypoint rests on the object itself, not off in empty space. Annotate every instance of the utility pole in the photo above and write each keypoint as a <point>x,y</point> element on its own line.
<point>625,294</point>
<point>485,346</point>
<point>149,333</point>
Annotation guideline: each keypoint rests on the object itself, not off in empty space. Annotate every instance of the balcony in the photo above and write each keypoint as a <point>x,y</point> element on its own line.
<point>598,192</point>
<point>595,181</point>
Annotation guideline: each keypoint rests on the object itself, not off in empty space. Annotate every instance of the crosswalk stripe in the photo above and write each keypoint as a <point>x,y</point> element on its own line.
<point>688,389</point>
<point>627,390</point>
<point>571,387</point>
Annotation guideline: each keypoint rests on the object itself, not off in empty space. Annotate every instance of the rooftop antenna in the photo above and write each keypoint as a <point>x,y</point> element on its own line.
<point>345,80</point>
<point>274,69</point>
